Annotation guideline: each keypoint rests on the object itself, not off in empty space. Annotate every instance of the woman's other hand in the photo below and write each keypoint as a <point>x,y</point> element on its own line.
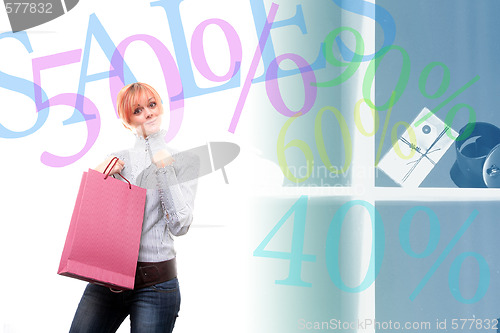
<point>117,168</point>
<point>162,158</point>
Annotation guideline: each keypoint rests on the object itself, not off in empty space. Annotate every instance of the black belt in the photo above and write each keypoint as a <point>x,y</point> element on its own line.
<point>151,273</point>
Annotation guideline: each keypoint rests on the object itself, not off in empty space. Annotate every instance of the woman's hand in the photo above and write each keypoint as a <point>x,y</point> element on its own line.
<point>162,158</point>
<point>117,168</point>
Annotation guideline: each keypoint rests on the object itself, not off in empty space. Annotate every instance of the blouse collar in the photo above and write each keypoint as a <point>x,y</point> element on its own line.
<point>140,141</point>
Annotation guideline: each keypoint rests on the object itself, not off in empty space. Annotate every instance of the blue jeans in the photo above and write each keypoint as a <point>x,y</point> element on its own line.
<point>151,309</point>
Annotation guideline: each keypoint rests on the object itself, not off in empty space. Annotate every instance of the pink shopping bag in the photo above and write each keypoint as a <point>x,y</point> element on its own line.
<point>102,243</point>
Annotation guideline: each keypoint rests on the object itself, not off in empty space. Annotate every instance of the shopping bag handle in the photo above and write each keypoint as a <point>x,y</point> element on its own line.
<point>115,159</point>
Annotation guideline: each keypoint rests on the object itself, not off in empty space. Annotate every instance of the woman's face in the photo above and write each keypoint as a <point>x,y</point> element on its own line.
<point>146,116</point>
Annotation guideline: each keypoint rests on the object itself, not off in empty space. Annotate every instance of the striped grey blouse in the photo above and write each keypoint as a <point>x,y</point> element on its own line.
<point>175,185</point>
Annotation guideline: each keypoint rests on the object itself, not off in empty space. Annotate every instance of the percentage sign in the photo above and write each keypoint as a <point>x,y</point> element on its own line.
<point>359,125</point>
<point>454,273</point>
<point>253,66</point>
<point>443,87</point>
<point>404,76</point>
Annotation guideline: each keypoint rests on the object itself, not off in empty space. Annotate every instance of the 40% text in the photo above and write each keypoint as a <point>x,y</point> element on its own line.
<point>332,249</point>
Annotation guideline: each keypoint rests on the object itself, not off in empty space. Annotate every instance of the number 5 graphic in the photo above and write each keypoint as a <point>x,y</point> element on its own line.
<point>68,99</point>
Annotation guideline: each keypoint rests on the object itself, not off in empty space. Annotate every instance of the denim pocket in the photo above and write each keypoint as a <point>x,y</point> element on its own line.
<point>169,286</point>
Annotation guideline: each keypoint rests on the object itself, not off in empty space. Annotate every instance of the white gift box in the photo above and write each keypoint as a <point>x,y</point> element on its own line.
<point>415,156</point>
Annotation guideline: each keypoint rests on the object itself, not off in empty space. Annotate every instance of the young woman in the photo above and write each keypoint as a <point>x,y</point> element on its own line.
<point>154,303</point>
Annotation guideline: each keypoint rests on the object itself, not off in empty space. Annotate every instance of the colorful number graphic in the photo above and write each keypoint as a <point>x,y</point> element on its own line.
<point>378,245</point>
<point>296,255</point>
<point>320,144</point>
